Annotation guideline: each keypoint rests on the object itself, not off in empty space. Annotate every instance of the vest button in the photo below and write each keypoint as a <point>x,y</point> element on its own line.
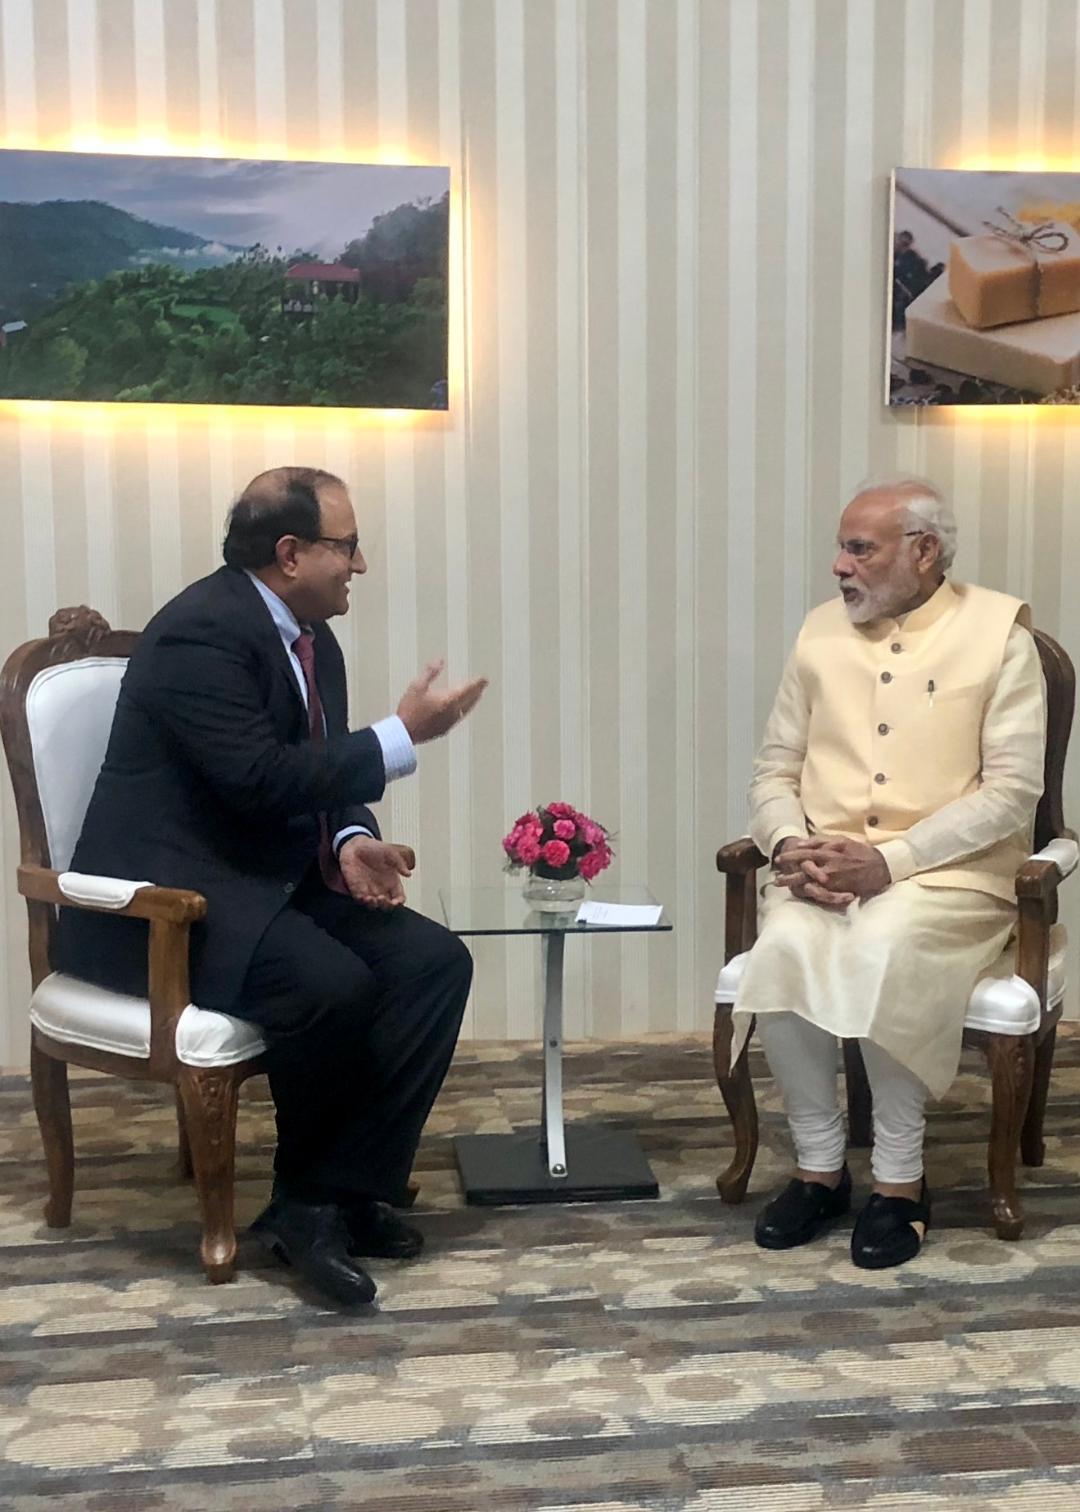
<point>872,820</point>
<point>896,646</point>
<point>290,887</point>
<point>879,777</point>
<point>883,729</point>
<point>886,677</point>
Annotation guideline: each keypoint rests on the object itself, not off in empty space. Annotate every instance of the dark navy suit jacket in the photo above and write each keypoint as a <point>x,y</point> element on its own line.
<point>211,782</point>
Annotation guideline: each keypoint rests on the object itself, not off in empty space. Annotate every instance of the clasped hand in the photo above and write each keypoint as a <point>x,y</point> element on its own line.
<point>831,870</point>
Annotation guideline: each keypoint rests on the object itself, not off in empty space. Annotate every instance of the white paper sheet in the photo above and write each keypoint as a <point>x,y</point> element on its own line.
<point>619,915</point>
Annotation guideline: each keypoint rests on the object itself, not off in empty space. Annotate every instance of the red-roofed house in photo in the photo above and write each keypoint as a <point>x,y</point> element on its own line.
<point>314,280</point>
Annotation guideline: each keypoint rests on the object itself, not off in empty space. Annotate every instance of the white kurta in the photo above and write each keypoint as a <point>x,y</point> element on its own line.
<point>896,969</point>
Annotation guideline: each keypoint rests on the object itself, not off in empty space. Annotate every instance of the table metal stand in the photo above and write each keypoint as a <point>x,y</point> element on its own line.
<point>583,1163</point>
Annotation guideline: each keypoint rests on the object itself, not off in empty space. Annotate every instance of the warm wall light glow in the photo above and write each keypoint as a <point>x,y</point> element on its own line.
<point>1020,163</point>
<point>1013,414</point>
<point>86,416</point>
<point>196,145</point>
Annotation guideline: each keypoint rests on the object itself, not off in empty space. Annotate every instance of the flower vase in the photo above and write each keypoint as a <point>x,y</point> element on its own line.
<point>551,891</point>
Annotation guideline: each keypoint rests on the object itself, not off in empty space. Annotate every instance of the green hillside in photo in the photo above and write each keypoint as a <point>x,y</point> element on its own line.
<point>158,327</point>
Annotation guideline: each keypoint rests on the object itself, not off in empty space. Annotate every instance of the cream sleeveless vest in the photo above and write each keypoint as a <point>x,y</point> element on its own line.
<point>896,718</point>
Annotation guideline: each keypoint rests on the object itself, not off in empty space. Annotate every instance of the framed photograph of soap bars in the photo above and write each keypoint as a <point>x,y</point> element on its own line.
<point>984,288</point>
<point>206,280</point>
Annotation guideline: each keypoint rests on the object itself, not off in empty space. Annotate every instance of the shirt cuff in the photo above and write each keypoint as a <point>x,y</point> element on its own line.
<point>398,751</point>
<point>347,834</point>
<point>899,858</point>
<point>785,832</point>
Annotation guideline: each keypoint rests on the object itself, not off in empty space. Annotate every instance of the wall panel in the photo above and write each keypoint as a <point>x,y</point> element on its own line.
<point>669,230</point>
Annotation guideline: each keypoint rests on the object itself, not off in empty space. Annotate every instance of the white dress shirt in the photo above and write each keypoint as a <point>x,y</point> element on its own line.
<point>398,751</point>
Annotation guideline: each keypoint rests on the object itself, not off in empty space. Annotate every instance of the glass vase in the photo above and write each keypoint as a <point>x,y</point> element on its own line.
<point>553,894</point>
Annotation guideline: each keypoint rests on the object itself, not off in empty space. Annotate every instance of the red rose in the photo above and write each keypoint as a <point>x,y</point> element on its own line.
<point>556,853</point>
<point>565,829</point>
<point>561,810</point>
<point>528,850</point>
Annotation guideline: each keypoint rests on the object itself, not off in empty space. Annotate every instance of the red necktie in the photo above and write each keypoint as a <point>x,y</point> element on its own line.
<point>304,650</point>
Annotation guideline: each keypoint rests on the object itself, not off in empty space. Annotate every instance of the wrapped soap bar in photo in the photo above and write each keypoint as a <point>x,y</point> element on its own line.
<point>1018,272</point>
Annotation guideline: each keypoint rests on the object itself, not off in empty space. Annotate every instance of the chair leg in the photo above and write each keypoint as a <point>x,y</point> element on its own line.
<point>860,1102</point>
<point>184,1166</point>
<point>209,1101</point>
<point>412,1192</point>
<point>1032,1144</point>
<point>52,1104</point>
<point>1011,1059</point>
<point>737,1090</point>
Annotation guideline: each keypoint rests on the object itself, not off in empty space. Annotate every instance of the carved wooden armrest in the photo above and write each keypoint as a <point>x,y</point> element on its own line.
<point>1037,879</point>
<point>171,911</point>
<point>739,857</point>
<point>168,905</point>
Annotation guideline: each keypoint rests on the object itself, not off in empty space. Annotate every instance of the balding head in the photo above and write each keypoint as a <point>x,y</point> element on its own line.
<point>283,501</point>
<point>294,528</point>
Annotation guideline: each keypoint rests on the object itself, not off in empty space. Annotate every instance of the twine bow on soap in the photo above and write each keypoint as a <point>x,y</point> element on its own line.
<point>1031,239</point>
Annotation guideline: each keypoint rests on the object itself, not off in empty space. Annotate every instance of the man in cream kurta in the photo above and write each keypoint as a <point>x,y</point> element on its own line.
<point>895,792</point>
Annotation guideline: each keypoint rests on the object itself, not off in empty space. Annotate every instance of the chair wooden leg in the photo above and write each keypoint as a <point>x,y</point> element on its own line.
<point>209,1101</point>
<point>1011,1059</point>
<point>1032,1144</point>
<point>412,1192</point>
<point>52,1104</point>
<point>184,1166</point>
<point>860,1102</point>
<point>737,1090</point>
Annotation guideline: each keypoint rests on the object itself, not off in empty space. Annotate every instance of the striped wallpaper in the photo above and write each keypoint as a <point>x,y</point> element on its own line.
<point>669,239</point>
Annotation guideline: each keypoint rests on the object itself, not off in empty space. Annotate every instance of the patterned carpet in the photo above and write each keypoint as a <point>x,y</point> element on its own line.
<point>609,1357</point>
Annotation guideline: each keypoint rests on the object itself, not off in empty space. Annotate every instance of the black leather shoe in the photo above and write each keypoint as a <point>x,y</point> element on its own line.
<point>312,1238</point>
<point>375,1229</point>
<point>883,1234</point>
<point>801,1211</point>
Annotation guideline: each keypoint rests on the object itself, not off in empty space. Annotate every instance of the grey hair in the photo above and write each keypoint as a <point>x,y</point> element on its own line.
<point>926,509</point>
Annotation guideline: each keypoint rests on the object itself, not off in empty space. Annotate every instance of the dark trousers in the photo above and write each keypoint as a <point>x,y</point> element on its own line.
<point>360,1011</point>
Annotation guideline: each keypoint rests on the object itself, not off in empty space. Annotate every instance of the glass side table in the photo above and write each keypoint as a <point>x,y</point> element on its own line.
<point>583,1162</point>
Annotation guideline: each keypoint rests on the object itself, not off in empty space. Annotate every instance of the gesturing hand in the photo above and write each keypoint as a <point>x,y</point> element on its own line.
<point>428,712</point>
<point>831,870</point>
<point>373,870</point>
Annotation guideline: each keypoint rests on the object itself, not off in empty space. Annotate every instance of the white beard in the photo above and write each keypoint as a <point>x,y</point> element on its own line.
<point>884,601</point>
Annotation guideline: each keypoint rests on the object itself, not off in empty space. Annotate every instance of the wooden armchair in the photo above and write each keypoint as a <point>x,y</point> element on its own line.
<point>1012,1014</point>
<point>57,697</point>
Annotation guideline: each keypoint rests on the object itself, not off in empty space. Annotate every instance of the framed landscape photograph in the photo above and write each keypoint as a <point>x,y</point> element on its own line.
<point>222,281</point>
<point>984,288</point>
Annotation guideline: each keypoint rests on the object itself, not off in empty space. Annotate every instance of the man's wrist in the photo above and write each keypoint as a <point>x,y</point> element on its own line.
<point>343,836</point>
<point>779,846</point>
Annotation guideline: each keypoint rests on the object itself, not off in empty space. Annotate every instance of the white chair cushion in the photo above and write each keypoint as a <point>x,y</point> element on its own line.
<point>69,711</point>
<point>1000,1000</point>
<point>1065,855</point>
<point>79,1013</point>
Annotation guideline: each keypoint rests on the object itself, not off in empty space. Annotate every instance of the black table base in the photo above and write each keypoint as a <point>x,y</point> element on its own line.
<point>603,1165</point>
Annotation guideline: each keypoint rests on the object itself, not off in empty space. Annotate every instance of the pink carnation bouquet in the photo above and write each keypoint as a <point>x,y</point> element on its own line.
<point>556,841</point>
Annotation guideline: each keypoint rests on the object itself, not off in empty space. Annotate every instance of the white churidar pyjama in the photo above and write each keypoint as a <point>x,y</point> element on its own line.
<point>803,1060</point>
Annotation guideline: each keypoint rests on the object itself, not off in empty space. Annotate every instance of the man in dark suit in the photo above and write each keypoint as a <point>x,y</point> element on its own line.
<point>231,770</point>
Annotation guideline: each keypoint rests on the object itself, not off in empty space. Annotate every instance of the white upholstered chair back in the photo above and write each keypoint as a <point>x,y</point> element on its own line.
<point>69,713</point>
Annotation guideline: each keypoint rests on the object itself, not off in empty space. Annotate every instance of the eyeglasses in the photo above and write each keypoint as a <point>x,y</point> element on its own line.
<point>861,551</point>
<point>347,545</point>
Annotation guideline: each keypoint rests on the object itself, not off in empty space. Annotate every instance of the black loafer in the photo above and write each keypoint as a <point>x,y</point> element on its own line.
<point>375,1229</point>
<point>883,1234</point>
<point>801,1211</point>
<point>313,1240</point>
